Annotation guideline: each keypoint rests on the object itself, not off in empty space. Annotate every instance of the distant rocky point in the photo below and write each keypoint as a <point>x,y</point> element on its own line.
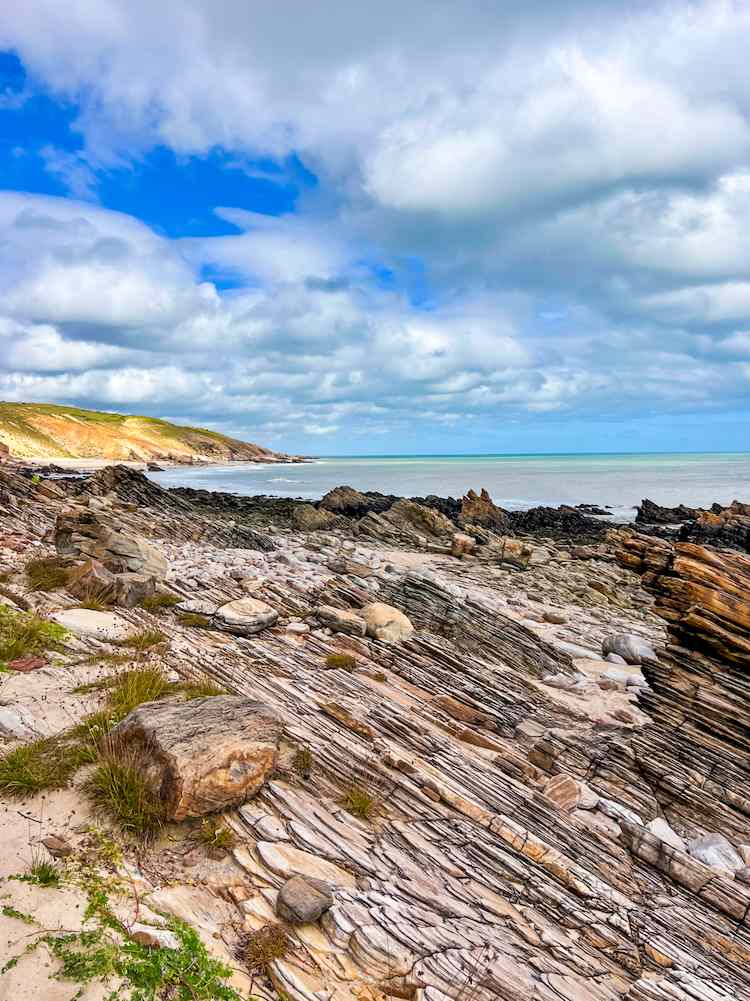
<point>45,430</point>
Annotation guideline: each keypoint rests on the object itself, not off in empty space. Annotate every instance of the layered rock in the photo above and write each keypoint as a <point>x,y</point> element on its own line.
<point>82,533</point>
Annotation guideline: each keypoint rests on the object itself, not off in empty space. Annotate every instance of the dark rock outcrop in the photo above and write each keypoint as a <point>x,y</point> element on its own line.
<point>650,513</point>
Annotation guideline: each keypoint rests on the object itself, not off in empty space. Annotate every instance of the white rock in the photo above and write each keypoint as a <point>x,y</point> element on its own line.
<point>661,829</point>
<point>386,623</point>
<point>11,725</point>
<point>618,812</point>
<point>156,938</point>
<point>245,616</point>
<point>197,606</point>
<point>715,851</point>
<point>298,628</point>
<point>106,626</point>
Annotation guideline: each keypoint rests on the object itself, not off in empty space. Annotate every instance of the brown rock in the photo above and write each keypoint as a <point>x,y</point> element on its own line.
<point>563,791</point>
<point>480,510</point>
<point>92,579</point>
<point>57,846</point>
<point>340,620</point>
<point>303,899</point>
<point>202,755</point>
<point>462,545</point>
<point>308,518</point>
<point>81,532</point>
<point>132,588</point>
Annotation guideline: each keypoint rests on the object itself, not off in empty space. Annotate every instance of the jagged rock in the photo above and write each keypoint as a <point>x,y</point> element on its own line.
<point>728,526</point>
<point>202,755</point>
<point>480,510</point>
<point>92,578</point>
<point>340,620</point>
<point>244,616</point>
<point>650,513</point>
<point>408,522</point>
<point>354,504</point>
<point>133,588</point>
<point>619,812</point>
<point>632,649</point>
<point>312,519</point>
<point>303,899</point>
<point>716,851</point>
<point>80,532</point>
<point>386,623</point>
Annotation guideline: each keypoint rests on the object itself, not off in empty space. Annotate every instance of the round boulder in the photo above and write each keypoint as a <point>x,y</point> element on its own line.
<point>303,899</point>
<point>386,623</point>
<point>631,648</point>
<point>244,616</point>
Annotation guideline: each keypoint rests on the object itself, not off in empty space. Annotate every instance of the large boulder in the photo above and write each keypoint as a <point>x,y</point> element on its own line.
<point>716,851</point>
<point>244,616</point>
<point>105,626</point>
<point>202,755</point>
<point>386,623</point>
<point>339,620</point>
<point>79,533</point>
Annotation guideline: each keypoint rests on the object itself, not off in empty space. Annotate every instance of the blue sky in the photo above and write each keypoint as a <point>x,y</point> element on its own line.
<point>451,227</point>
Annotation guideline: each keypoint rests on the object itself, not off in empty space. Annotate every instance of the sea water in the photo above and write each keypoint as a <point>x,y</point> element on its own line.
<point>619,481</point>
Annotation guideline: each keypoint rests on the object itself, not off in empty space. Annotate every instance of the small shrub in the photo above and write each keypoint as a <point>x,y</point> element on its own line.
<point>342,661</point>
<point>303,761</point>
<point>264,946</point>
<point>46,574</point>
<point>156,602</point>
<point>133,688</point>
<point>214,834</point>
<point>22,633</point>
<point>118,789</point>
<point>379,676</point>
<point>144,640</point>
<point>360,802</point>
<point>36,479</point>
<point>48,763</point>
<point>193,620</point>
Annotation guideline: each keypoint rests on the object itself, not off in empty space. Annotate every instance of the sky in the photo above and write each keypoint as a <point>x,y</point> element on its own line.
<point>442,226</point>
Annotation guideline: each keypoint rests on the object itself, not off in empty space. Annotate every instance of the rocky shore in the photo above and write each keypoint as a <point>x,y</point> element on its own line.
<point>417,748</point>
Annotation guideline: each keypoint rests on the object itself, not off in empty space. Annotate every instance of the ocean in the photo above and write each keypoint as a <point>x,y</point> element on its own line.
<point>619,481</point>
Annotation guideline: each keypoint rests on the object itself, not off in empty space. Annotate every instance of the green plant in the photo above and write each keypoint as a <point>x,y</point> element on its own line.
<point>12,912</point>
<point>43,872</point>
<point>143,640</point>
<point>133,688</point>
<point>360,802</point>
<point>214,834</point>
<point>46,574</point>
<point>200,689</point>
<point>36,479</point>
<point>193,620</point>
<point>342,661</point>
<point>264,946</point>
<point>118,789</point>
<point>47,763</point>
<point>22,633</point>
<point>156,602</point>
<point>95,599</point>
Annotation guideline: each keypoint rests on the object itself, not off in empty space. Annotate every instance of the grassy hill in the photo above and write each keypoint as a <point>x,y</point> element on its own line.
<point>45,430</point>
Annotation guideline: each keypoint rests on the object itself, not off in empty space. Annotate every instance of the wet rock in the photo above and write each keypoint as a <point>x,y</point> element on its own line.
<point>651,513</point>
<point>303,899</point>
<point>716,851</point>
<point>202,755</point>
<point>386,623</point>
<point>340,620</point>
<point>244,617</point>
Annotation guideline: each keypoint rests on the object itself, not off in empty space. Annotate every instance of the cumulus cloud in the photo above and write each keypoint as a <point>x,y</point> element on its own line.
<point>519,215</point>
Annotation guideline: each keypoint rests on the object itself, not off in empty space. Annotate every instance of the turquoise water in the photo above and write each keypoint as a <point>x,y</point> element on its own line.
<point>513,481</point>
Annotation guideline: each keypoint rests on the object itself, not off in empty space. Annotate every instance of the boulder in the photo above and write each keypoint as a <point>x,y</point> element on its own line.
<point>132,588</point>
<point>154,938</point>
<point>202,755</point>
<point>716,851</point>
<point>303,899</point>
<point>386,623</point>
<point>105,626</point>
<point>80,532</point>
<point>244,616</point>
<point>631,648</point>
<point>479,509</point>
<point>308,518</point>
<point>352,503</point>
<point>340,620</point>
<point>92,579</point>
<point>462,545</point>
<point>509,551</point>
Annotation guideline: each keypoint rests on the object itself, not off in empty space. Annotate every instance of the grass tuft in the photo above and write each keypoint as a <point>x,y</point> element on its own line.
<point>360,802</point>
<point>44,872</point>
<point>341,661</point>
<point>303,761</point>
<point>48,763</point>
<point>213,834</point>
<point>118,789</point>
<point>46,574</point>
<point>96,600</point>
<point>143,640</point>
<point>264,946</point>
<point>156,602</point>
<point>193,620</point>
<point>22,633</point>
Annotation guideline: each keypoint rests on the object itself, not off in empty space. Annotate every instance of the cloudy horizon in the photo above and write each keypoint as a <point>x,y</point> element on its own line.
<point>395,229</point>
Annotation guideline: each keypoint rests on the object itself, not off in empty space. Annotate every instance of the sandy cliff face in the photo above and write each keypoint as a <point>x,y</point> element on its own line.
<point>39,430</point>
